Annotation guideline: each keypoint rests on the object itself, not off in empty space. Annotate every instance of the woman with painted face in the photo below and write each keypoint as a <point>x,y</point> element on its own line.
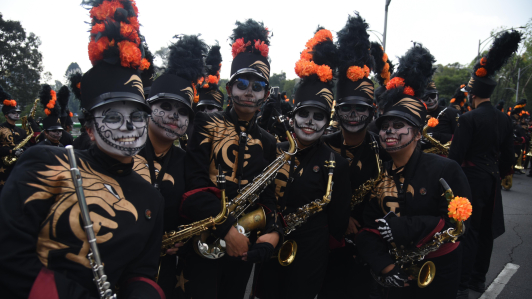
<point>211,99</point>
<point>51,135</point>
<point>232,140</point>
<point>160,162</point>
<point>407,207</point>
<point>10,135</point>
<point>347,275</point>
<point>44,244</point>
<point>304,179</point>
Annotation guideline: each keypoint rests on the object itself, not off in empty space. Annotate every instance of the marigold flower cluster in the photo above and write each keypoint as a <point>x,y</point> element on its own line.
<point>355,73</point>
<point>481,72</point>
<point>51,103</point>
<point>460,209</point>
<point>10,103</point>
<point>398,82</point>
<point>239,47</point>
<point>306,67</point>
<point>433,122</point>
<point>385,73</point>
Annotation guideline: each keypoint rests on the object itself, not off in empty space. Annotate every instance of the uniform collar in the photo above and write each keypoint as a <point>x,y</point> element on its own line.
<point>110,164</point>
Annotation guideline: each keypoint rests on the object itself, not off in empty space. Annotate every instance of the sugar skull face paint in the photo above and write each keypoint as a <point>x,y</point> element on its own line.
<point>54,135</point>
<point>121,128</point>
<point>248,93</point>
<point>396,134</point>
<point>431,100</point>
<point>309,124</point>
<point>169,119</point>
<point>14,115</point>
<point>353,118</point>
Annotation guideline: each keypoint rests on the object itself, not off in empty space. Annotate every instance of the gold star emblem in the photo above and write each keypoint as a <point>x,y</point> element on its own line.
<point>181,281</point>
<point>2,169</point>
<point>2,183</point>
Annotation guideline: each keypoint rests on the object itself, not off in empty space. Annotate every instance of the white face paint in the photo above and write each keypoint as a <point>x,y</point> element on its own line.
<point>431,100</point>
<point>13,115</point>
<point>246,95</point>
<point>54,135</point>
<point>309,124</point>
<point>395,134</point>
<point>169,119</point>
<point>353,117</point>
<point>120,128</point>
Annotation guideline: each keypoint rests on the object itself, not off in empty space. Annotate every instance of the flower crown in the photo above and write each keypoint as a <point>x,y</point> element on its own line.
<point>305,66</point>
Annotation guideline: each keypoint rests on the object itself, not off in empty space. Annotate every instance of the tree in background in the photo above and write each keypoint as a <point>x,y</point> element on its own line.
<point>20,61</point>
<point>449,77</point>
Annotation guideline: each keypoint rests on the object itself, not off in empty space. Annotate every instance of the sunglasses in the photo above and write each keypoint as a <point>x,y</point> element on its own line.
<point>256,86</point>
<point>357,108</point>
<point>304,113</point>
<point>115,120</point>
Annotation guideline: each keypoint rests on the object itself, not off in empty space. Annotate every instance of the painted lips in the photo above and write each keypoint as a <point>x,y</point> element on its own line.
<point>391,141</point>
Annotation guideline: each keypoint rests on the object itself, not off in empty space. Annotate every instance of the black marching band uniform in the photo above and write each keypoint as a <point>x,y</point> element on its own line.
<point>63,96</point>
<point>303,180</point>
<point>413,192</point>
<point>482,145</point>
<point>44,245</point>
<point>459,100</point>
<point>10,136</point>
<point>52,108</point>
<point>349,277</point>
<point>243,150</point>
<point>166,172</point>
<point>83,141</point>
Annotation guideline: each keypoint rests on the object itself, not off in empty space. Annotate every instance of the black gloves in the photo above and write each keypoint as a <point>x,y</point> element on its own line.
<point>395,278</point>
<point>260,252</point>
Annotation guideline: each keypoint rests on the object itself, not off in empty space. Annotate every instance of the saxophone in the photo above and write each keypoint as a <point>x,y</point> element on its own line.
<point>362,190</point>
<point>246,197</point>
<point>11,158</point>
<point>185,232</point>
<point>407,259</point>
<point>438,148</point>
<point>288,250</point>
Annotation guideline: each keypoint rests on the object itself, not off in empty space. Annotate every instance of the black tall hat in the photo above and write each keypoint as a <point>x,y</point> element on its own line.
<point>481,83</point>
<point>185,68</point>
<point>316,68</point>
<point>356,62</point>
<point>518,108</point>
<point>63,96</point>
<point>117,55</point>
<point>459,98</point>
<point>250,46</point>
<point>7,101</point>
<point>383,70</point>
<point>209,91</point>
<point>75,87</point>
<point>431,88</point>
<point>402,98</point>
<point>148,75</point>
<point>52,108</point>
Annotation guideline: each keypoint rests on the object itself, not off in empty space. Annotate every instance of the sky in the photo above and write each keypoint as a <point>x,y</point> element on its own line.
<point>450,29</point>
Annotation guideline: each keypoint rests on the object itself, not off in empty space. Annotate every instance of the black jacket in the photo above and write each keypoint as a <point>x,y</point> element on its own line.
<point>82,142</point>
<point>421,210</point>
<point>443,132</point>
<point>42,234</point>
<point>10,136</point>
<point>46,142</point>
<point>66,138</point>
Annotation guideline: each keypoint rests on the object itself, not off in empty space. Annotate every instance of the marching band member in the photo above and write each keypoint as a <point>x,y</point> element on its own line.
<point>53,131</point>
<point>233,140</point>
<point>44,245</point>
<point>459,100</point>
<point>348,276</point>
<point>304,180</point>
<point>407,207</point>
<point>482,144</point>
<point>211,99</point>
<point>63,96</point>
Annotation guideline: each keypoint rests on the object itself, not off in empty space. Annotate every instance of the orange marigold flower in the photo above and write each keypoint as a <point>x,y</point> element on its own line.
<point>409,91</point>
<point>134,5</point>
<point>105,10</point>
<point>133,21</point>
<point>54,95</point>
<point>323,35</point>
<point>460,209</point>
<point>78,85</point>
<point>433,122</point>
<point>130,55</point>
<point>50,105</point>
<point>96,49</point>
<point>385,57</point>
<point>306,55</point>
<point>213,79</point>
<point>47,112</point>
<point>395,82</point>
<point>239,46</point>
<point>144,64</point>
<point>462,86</point>
<point>99,27</point>
<point>453,100</point>
<point>481,72</point>
<point>262,47</point>
<point>13,103</point>
<point>386,68</point>
<point>483,61</point>
<point>129,32</point>
<point>366,71</point>
<point>71,114</point>
<point>196,96</point>
<point>355,73</point>
<point>324,72</point>
<point>7,102</point>
<point>424,105</point>
<point>305,68</point>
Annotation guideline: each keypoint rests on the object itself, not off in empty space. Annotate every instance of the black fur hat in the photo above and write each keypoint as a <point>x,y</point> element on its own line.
<point>185,67</point>
<point>316,69</point>
<point>481,83</point>
<point>62,97</point>
<point>250,47</point>
<point>383,65</point>
<point>209,91</point>
<point>148,74</point>
<point>459,98</point>
<point>52,108</point>
<point>7,101</point>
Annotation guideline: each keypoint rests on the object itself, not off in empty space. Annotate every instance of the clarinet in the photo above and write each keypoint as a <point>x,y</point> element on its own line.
<point>100,279</point>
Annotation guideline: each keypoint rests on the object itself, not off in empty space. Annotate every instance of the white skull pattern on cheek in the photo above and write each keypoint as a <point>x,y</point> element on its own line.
<point>309,124</point>
<point>395,134</point>
<point>55,135</point>
<point>13,116</point>
<point>353,117</point>
<point>169,119</point>
<point>245,94</point>
<point>121,128</point>
<point>431,101</point>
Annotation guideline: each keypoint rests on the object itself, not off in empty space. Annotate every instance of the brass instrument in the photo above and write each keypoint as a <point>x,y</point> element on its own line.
<point>519,166</point>
<point>288,250</point>
<point>364,189</point>
<point>438,148</point>
<point>246,197</point>
<point>407,259</point>
<point>529,154</point>
<point>185,232</point>
<point>507,182</point>
<point>11,158</point>
<point>332,113</point>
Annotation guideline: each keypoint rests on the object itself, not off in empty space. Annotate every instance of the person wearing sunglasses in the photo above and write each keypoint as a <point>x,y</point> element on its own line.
<point>231,140</point>
<point>347,275</point>
<point>447,118</point>
<point>304,180</point>
<point>44,243</point>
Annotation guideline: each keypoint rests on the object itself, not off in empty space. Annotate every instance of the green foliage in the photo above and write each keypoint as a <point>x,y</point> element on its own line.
<point>20,61</point>
<point>448,78</point>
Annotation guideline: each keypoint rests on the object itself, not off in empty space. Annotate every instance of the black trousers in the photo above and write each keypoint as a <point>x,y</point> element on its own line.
<point>478,241</point>
<point>168,276</point>
<point>444,286</point>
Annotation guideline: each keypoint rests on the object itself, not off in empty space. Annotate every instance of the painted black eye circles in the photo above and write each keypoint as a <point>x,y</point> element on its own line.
<point>182,111</point>
<point>318,116</point>
<point>303,113</point>
<point>384,127</point>
<point>166,106</point>
<point>398,125</point>
<point>357,108</point>
<point>345,108</point>
<point>361,108</point>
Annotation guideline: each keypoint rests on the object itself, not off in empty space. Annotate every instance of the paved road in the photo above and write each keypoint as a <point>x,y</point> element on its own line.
<point>514,246</point>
